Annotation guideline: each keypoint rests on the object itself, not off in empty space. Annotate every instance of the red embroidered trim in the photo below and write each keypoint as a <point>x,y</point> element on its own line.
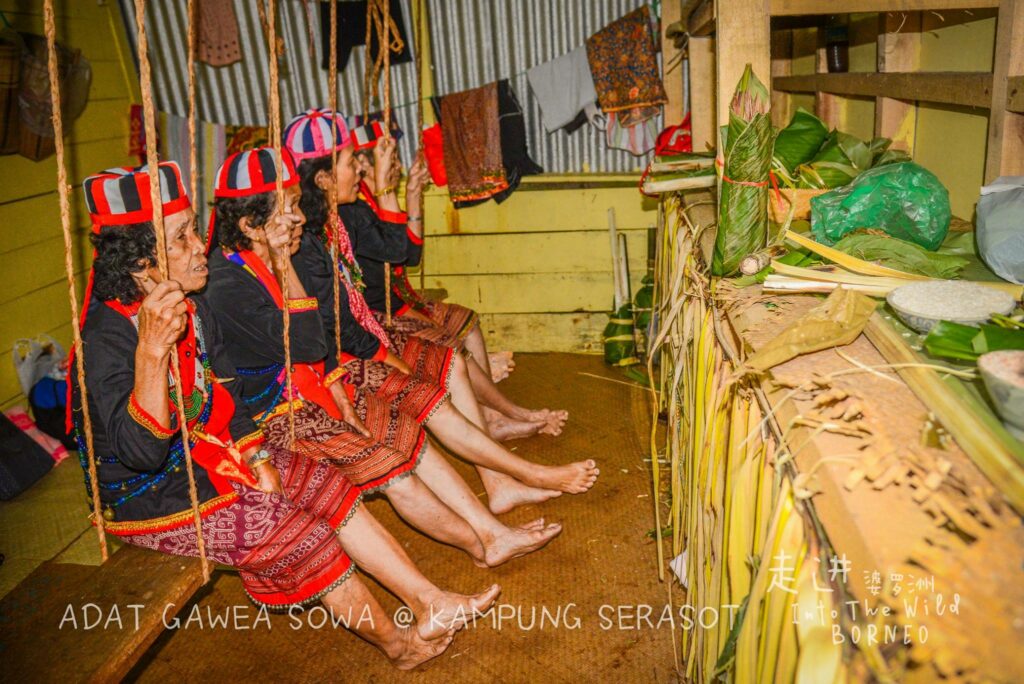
<point>140,416</point>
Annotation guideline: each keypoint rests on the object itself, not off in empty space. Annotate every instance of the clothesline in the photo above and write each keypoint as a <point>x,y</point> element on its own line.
<point>412,103</point>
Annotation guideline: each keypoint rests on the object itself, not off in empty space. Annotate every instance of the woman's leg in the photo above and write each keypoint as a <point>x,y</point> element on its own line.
<point>420,506</point>
<point>499,426</point>
<point>489,395</point>
<point>500,543</point>
<point>471,443</point>
<point>403,646</point>
<point>374,550</point>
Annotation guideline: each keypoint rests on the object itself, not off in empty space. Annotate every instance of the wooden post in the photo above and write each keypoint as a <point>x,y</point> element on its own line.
<point>671,12</point>
<point>826,105</point>
<point>701,62</point>
<point>782,65</point>
<point>744,37</point>
<point>899,49</point>
<point>1005,156</point>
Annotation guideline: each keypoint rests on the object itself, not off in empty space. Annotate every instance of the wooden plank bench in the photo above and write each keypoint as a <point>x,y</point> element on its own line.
<point>69,622</point>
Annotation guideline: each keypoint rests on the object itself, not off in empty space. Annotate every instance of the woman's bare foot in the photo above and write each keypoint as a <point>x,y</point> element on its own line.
<point>513,493</point>
<point>514,543</point>
<point>445,611</point>
<point>574,478</point>
<point>501,365</point>
<point>410,650</point>
<point>553,421</point>
<point>504,429</point>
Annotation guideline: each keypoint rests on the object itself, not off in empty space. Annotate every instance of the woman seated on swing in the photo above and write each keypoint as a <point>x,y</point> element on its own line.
<point>388,398</point>
<point>381,233</point>
<point>292,526</point>
<point>378,446</point>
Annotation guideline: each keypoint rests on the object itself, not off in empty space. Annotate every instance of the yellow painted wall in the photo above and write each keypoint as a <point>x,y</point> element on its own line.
<point>33,290</point>
<point>538,266</point>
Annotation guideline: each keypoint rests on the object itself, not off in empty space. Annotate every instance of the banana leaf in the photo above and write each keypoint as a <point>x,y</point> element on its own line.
<point>901,255</point>
<point>996,338</point>
<point>743,205</point>
<point>952,341</point>
<point>798,142</point>
<point>842,158</point>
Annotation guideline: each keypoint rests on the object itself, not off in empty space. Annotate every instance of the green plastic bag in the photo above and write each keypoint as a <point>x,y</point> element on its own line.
<point>905,200</point>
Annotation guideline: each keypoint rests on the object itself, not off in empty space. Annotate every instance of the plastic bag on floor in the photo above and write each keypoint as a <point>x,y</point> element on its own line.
<point>905,200</point>
<point>1000,228</point>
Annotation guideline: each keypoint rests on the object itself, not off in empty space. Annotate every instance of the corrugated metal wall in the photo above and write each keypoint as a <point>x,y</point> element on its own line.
<point>237,94</point>
<point>478,41</point>
<point>473,42</point>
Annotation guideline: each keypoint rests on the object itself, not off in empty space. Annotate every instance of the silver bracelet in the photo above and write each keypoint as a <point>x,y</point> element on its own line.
<point>415,218</point>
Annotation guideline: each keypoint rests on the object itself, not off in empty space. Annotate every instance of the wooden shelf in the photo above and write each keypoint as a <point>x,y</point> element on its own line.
<point>968,89</point>
<point>1015,94</point>
<point>782,8</point>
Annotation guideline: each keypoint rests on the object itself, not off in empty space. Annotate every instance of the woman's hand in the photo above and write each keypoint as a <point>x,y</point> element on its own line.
<point>280,232</point>
<point>419,177</point>
<point>163,318</point>
<point>268,479</point>
<point>385,159</point>
<point>348,412</point>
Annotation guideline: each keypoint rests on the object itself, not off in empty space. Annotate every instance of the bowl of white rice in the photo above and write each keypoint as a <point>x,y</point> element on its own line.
<point>923,304</point>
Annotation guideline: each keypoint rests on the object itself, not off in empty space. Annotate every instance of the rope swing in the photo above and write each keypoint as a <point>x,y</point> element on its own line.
<point>149,117</point>
<point>63,192</point>
<point>378,16</point>
<point>274,125</point>
<point>332,200</point>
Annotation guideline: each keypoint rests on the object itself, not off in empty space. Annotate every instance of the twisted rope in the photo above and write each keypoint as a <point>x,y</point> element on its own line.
<point>149,117</point>
<point>63,192</point>
<point>274,123</point>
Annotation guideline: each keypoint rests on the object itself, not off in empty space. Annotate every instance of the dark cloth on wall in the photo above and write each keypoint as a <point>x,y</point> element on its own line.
<point>218,42</point>
<point>471,132</point>
<point>352,33</point>
<point>624,65</point>
<point>515,157</point>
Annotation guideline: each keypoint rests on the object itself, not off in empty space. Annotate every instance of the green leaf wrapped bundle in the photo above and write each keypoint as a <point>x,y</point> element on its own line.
<point>743,204</point>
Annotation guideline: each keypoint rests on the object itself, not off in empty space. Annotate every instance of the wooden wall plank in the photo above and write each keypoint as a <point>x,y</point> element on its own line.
<point>551,210</point>
<point>899,49</point>
<point>1005,154</point>
<point>780,8</point>
<point>703,110</point>
<point>782,65</point>
<point>671,12</point>
<point>964,88</point>
<point>541,332</point>
<point>743,29</point>
<point>1015,94</point>
<point>563,252</point>
<point>531,292</point>
<point>827,106</point>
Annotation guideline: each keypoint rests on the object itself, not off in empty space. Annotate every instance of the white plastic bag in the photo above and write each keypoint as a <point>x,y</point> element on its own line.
<point>37,358</point>
<point>1001,227</point>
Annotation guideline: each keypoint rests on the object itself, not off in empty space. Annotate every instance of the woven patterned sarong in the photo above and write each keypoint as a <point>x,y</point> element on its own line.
<point>284,547</point>
<point>372,463</point>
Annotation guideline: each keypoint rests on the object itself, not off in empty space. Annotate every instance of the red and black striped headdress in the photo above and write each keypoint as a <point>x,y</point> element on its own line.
<point>120,196</point>
<point>253,172</point>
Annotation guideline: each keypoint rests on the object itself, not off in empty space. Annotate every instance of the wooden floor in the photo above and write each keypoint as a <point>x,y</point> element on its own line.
<point>601,567</point>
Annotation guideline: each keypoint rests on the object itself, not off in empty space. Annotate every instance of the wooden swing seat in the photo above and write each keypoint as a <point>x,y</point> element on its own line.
<point>70,622</point>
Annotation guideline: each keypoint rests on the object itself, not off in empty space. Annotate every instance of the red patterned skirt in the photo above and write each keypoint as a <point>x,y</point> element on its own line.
<point>452,322</point>
<point>284,547</point>
<point>419,394</point>
<point>372,463</point>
